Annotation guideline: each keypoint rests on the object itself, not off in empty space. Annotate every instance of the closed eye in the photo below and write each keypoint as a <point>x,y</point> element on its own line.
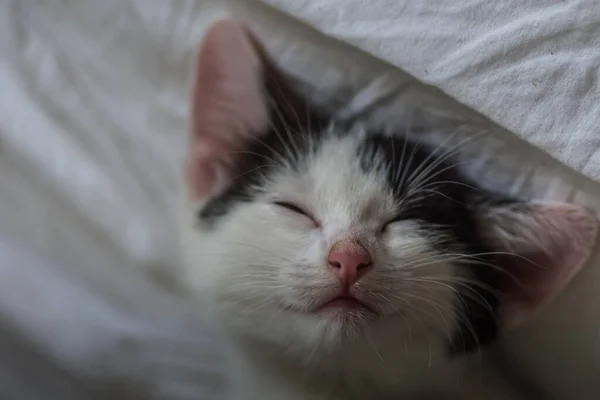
<point>393,221</point>
<point>295,209</point>
<point>291,207</point>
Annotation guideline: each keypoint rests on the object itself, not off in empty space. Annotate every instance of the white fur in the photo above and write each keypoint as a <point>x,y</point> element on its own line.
<point>261,259</point>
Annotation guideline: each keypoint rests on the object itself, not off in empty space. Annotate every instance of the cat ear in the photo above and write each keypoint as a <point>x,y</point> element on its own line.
<point>227,103</point>
<point>540,246</point>
<point>237,88</point>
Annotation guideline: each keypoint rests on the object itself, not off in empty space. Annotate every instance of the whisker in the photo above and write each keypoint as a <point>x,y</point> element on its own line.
<point>447,154</point>
<point>472,293</point>
<point>285,143</point>
<point>424,164</point>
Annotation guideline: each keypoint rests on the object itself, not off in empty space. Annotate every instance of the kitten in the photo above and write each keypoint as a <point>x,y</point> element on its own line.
<point>344,264</point>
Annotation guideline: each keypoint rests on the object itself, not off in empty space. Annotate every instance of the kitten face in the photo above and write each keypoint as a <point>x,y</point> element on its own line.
<point>269,263</point>
<point>313,238</point>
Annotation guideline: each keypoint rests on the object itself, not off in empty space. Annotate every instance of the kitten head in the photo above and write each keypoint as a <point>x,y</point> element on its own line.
<point>306,234</point>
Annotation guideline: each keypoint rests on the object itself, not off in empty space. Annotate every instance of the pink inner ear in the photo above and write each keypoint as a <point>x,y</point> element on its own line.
<point>557,239</point>
<point>228,106</point>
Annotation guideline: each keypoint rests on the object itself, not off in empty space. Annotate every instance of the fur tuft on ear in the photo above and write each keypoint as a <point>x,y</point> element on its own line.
<point>540,247</point>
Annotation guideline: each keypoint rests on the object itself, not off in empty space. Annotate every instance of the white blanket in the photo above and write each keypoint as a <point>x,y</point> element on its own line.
<point>93,111</point>
<point>530,66</point>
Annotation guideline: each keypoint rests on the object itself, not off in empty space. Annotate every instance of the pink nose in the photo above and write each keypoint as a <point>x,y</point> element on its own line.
<point>350,260</point>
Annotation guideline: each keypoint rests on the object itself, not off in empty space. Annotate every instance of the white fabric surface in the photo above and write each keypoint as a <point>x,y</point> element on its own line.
<point>93,110</point>
<point>530,66</point>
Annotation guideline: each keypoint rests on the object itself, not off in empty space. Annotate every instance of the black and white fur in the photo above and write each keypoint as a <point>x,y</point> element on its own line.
<point>448,256</point>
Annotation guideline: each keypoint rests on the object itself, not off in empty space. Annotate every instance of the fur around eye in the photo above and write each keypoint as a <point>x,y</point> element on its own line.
<point>295,209</point>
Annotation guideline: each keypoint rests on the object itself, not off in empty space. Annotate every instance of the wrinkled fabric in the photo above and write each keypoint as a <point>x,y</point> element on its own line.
<point>93,120</point>
<point>530,66</point>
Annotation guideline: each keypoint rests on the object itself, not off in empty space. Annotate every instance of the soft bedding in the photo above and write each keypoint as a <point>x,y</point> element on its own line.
<point>530,66</point>
<point>93,125</point>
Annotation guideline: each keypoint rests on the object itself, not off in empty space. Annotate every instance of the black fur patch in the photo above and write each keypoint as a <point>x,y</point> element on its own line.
<point>446,207</point>
<point>262,157</point>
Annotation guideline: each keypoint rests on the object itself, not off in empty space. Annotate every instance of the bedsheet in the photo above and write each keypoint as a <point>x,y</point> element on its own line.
<point>93,111</point>
<point>530,66</point>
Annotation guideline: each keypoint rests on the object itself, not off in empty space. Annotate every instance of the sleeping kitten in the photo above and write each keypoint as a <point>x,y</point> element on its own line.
<point>344,264</point>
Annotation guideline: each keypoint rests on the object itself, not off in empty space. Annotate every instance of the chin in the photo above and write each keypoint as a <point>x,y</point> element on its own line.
<point>346,325</point>
<point>302,334</point>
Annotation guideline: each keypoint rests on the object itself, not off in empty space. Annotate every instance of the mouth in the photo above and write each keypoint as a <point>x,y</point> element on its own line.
<point>346,304</point>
